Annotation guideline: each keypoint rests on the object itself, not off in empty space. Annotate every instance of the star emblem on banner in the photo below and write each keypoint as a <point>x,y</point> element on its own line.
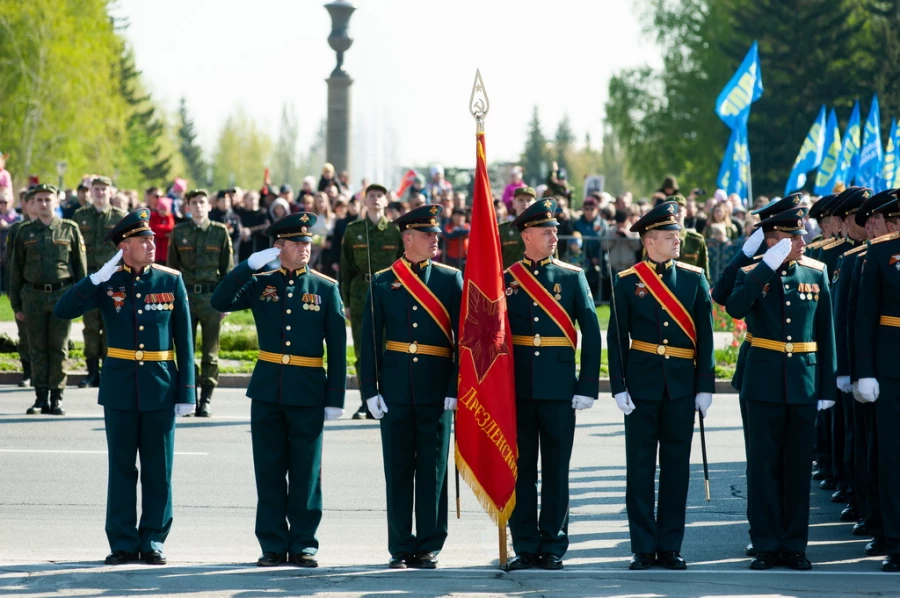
<point>484,334</point>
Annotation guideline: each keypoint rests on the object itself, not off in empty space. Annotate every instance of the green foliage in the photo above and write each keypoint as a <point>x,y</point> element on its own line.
<point>286,158</point>
<point>536,158</point>
<point>242,152</point>
<point>190,151</point>
<point>564,142</point>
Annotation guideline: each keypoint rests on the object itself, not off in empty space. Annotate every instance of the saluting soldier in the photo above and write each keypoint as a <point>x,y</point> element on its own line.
<point>877,332</point>
<point>789,374</point>
<point>295,309</point>
<point>545,298</point>
<point>201,250</point>
<point>28,214</point>
<point>825,224</point>
<point>369,245</point>
<point>512,247</point>
<point>409,379</point>
<point>147,380</point>
<point>48,257</point>
<point>663,307</point>
<point>95,220</point>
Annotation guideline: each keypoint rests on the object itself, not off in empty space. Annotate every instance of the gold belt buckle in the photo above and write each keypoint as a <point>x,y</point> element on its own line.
<point>536,341</point>
<point>413,348</point>
<point>789,347</point>
<point>285,359</point>
<point>660,349</point>
<point>139,355</point>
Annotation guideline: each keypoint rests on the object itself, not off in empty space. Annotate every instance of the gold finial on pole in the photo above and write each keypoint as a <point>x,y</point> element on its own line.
<point>479,104</point>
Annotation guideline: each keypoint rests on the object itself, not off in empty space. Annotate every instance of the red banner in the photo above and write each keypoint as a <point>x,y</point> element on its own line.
<point>486,449</point>
<point>408,179</point>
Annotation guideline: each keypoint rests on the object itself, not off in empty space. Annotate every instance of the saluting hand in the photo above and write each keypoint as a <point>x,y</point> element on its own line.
<point>777,253</point>
<point>108,269</point>
<point>261,258</point>
<point>751,245</point>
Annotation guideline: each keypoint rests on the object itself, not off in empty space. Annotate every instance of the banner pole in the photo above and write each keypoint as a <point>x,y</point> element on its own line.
<point>501,528</point>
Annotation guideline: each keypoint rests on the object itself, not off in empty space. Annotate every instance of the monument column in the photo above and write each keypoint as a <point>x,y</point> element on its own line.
<point>337,130</point>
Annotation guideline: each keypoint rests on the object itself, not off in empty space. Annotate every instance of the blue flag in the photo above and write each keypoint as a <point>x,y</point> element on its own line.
<point>849,161</point>
<point>889,169</point>
<point>825,178</point>
<point>744,88</point>
<point>810,156</point>
<point>734,173</point>
<point>871,154</point>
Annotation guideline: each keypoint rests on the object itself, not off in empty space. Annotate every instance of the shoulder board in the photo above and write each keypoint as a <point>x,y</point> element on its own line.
<point>566,266</point>
<point>624,273</point>
<point>384,270</point>
<point>818,243</point>
<point>215,224</point>
<point>756,258</point>
<point>684,266</point>
<point>320,275</point>
<point>811,263</point>
<point>832,244</point>
<point>856,250</point>
<point>692,233</point>
<point>181,225</point>
<point>268,272</point>
<point>68,222</point>
<point>444,266</point>
<point>119,211</point>
<point>119,268</point>
<point>166,269</point>
<point>887,237</point>
<point>748,268</point>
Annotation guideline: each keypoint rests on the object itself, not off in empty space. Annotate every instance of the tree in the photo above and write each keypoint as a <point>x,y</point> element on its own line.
<point>286,158</point>
<point>536,157</point>
<point>565,139</point>
<point>190,151</point>
<point>242,152</point>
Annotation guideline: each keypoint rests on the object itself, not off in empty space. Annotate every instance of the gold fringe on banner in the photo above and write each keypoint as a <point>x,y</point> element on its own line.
<point>500,516</point>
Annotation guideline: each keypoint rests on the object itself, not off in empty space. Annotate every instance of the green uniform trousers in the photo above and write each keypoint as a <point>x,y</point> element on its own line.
<point>210,322</point>
<point>150,434</point>
<point>415,440</point>
<point>665,426</point>
<point>887,419</point>
<point>781,445</point>
<point>548,428</point>
<point>48,338</point>
<point>23,346</point>
<point>287,461</point>
<point>94,335</point>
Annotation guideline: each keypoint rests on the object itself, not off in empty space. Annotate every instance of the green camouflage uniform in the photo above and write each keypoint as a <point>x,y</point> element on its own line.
<point>46,260</point>
<point>512,247</point>
<point>693,250</point>
<point>23,346</point>
<point>203,256</point>
<point>93,226</point>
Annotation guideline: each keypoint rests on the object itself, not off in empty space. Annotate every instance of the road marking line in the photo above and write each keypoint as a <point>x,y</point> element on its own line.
<point>66,452</point>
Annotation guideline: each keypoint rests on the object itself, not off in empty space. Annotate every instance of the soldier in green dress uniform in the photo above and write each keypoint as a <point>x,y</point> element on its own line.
<point>95,220</point>
<point>693,245</point>
<point>146,382</point>
<point>545,298</point>
<point>28,214</point>
<point>789,375</point>
<point>829,231</point>
<point>511,245</point>
<point>658,381</point>
<point>877,334</point>
<point>48,257</point>
<point>369,245</point>
<point>409,379</point>
<point>295,309</point>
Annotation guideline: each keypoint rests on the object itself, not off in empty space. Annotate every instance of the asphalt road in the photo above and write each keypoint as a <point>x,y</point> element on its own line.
<point>52,503</point>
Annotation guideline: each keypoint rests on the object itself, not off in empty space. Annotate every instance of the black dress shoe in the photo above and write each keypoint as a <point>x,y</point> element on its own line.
<point>361,413</point>
<point>850,513</point>
<point>827,484</point>
<point>839,496</point>
<point>876,547</point>
<point>426,560</point>
<point>671,560</point>
<point>860,528</point>
<point>271,559</point>
<point>551,562</point>
<point>750,551</point>
<point>400,561</point>
<point>641,561</point>
<point>763,561</point>
<point>891,564</point>
<point>523,561</point>
<point>304,560</point>
<point>796,561</point>
<point>120,557</point>
<point>154,557</point>
<point>819,475</point>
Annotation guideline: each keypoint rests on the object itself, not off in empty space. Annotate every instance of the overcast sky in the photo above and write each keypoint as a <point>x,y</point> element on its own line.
<point>413,63</point>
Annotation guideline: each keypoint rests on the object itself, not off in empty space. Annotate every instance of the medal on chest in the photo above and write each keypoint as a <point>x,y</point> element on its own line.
<point>118,297</point>
<point>512,288</point>
<point>895,261</point>
<point>640,289</point>
<point>312,302</point>
<point>557,290</point>
<point>270,293</point>
<point>159,301</point>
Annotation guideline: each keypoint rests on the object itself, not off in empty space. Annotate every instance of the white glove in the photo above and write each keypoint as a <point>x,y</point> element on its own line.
<point>108,269</point>
<point>449,404</point>
<point>869,389</point>
<point>377,407</point>
<point>775,255</point>
<point>702,402</point>
<point>823,405</point>
<point>581,402</point>
<point>182,409</point>
<point>623,402</point>
<point>843,383</point>
<point>261,258</point>
<point>332,413</point>
<point>856,394</point>
<point>751,245</point>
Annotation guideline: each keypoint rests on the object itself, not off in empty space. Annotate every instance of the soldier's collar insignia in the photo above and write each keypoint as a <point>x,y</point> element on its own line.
<point>301,271</point>
<point>126,267</point>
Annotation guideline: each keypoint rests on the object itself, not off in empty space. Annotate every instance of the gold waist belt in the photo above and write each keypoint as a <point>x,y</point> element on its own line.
<point>748,337</point>
<point>540,341</point>
<point>889,321</point>
<point>140,355</point>
<point>419,349</point>
<point>662,350</point>
<point>306,362</point>
<point>788,347</point>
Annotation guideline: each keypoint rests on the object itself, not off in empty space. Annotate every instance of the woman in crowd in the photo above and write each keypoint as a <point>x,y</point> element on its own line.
<point>722,215</point>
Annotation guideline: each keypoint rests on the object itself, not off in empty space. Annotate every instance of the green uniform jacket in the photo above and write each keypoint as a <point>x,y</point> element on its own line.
<point>831,252</point>
<point>511,244</point>
<point>548,373</point>
<point>355,256</point>
<point>93,226</point>
<point>406,378</point>
<point>294,312</point>
<point>693,250</point>
<point>201,253</point>
<point>125,302</point>
<point>879,295</point>
<point>852,305</point>
<point>640,317</point>
<point>45,254</point>
<point>841,281</point>
<point>10,245</point>
<point>770,302</point>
